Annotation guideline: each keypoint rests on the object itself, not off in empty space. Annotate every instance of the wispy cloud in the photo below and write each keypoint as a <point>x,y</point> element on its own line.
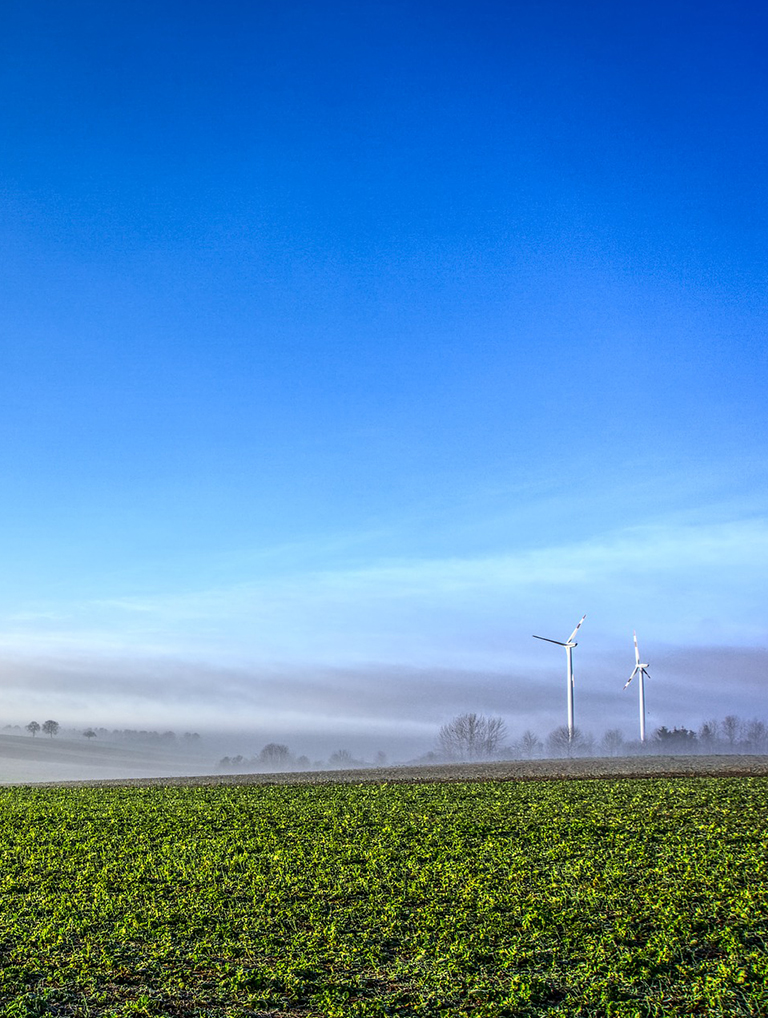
<point>676,582</point>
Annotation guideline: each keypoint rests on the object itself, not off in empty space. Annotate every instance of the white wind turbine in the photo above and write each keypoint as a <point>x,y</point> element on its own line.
<point>569,645</point>
<point>641,669</point>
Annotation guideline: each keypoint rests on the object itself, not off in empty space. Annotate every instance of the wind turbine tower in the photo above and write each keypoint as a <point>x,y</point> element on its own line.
<point>641,670</point>
<point>569,645</point>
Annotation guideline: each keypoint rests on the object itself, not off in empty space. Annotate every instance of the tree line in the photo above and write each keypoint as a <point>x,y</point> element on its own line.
<point>277,757</point>
<point>52,728</point>
<point>473,736</point>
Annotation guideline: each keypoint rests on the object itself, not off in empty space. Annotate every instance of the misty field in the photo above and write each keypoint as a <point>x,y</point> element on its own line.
<point>486,899</point>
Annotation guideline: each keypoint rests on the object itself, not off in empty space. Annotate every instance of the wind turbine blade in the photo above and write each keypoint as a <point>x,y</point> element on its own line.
<point>576,630</point>
<point>548,640</point>
<point>637,651</point>
<point>634,673</point>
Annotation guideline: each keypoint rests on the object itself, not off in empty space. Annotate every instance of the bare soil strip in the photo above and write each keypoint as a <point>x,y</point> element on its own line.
<point>502,770</point>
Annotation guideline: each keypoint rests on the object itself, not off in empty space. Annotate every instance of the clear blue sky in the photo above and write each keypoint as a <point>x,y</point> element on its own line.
<point>379,336</point>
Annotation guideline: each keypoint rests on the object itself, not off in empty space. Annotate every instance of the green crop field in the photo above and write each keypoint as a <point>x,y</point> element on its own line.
<point>533,898</point>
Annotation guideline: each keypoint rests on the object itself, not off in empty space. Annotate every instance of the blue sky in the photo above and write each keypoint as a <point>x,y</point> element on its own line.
<point>377,337</point>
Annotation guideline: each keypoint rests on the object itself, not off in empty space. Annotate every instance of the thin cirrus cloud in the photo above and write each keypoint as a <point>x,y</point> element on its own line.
<point>682,582</point>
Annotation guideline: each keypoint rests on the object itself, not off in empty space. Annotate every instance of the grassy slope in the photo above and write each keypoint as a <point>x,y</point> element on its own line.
<point>27,759</point>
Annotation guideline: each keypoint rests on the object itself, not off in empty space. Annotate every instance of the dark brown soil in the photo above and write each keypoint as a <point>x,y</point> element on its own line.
<point>505,770</point>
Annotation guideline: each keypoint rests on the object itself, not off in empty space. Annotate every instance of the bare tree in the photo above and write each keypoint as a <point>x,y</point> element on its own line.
<point>529,743</point>
<point>33,727</point>
<point>731,728</point>
<point>756,736</point>
<point>561,743</point>
<point>471,737</point>
<point>341,758</point>
<point>50,728</point>
<point>613,740</point>
<point>274,754</point>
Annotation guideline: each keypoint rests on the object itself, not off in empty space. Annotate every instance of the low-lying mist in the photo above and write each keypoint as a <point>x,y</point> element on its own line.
<point>48,751</point>
<point>161,715</point>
